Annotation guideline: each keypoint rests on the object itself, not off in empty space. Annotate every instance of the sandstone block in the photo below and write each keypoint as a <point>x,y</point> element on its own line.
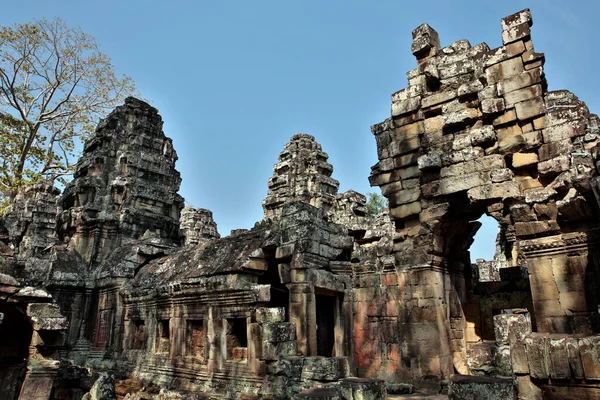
<point>438,98</point>
<point>409,172</point>
<point>325,368</point>
<point>589,349</point>
<point>505,190</point>
<point>575,358</point>
<point>402,145</point>
<point>555,149</point>
<point>483,135</point>
<point>537,354</point>
<point>515,49</point>
<point>426,41</point>
<point>319,394</point>
<point>380,179</point>
<point>480,387</point>
<point>405,210</point>
<point>507,117</point>
<point>521,17</point>
<point>407,93</point>
<point>554,166</point>
<point>501,175</point>
<point>533,139</point>
<point>429,161</point>
<point>273,351</point>
<point>504,70</point>
<point>516,32</point>
<point>278,331</point>
<point>520,81</point>
<point>530,108</point>
<point>514,97</point>
<point>522,213</point>
<point>362,388</point>
<point>488,92</point>
<point>433,124</point>
<point>533,228</point>
<point>486,163</point>
<point>559,360</point>
<point>511,144</point>
<point>460,117</point>
<point>269,314</point>
<point>562,132</point>
<point>452,185</point>
<point>405,196</point>
<point>523,160</point>
<point>469,88</point>
<point>492,106</point>
<point>528,390</point>
<point>405,106</point>
<point>508,131</point>
<point>434,212</point>
<point>405,160</point>
<point>409,130</point>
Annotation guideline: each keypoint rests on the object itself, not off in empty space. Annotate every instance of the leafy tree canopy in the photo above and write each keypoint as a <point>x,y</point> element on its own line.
<point>376,203</point>
<point>55,84</point>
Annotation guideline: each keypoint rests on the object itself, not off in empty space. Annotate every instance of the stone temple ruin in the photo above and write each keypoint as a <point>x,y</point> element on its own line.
<point>113,290</point>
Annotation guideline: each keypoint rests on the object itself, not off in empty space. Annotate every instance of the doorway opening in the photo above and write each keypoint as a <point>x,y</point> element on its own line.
<point>15,338</point>
<point>326,316</point>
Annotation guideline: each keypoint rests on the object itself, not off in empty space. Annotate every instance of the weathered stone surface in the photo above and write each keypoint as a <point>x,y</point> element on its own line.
<point>321,288</point>
<point>115,184</point>
<point>302,173</point>
<point>197,225</point>
<point>478,387</point>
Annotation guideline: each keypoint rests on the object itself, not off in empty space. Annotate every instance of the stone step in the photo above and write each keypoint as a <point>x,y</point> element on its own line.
<point>417,396</point>
<point>481,387</point>
<point>362,388</point>
<point>319,394</point>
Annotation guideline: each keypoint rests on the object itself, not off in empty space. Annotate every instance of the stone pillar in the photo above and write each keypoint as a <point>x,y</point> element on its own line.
<point>39,381</point>
<point>564,282</point>
<point>303,315</point>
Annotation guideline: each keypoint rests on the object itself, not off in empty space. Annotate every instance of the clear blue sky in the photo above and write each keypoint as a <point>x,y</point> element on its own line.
<point>234,80</point>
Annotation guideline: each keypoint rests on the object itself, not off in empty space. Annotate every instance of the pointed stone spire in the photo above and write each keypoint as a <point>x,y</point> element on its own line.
<point>302,174</point>
<point>124,186</point>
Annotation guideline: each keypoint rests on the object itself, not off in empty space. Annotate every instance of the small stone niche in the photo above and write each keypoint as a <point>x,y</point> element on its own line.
<point>138,336</point>
<point>163,336</point>
<point>237,339</point>
<point>196,334</point>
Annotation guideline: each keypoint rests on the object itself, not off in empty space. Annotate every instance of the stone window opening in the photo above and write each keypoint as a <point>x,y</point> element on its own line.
<point>280,294</point>
<point>138,336</point>
<point>163,336</point>
<point>196,339</point>
<point>236,339</point>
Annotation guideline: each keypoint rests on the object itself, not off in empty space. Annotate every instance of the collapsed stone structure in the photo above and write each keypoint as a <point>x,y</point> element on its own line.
<point>318,300</point>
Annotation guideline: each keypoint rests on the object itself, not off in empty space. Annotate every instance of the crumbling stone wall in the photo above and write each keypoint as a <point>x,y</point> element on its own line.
<point>476,132</point>
<point>317,292</point>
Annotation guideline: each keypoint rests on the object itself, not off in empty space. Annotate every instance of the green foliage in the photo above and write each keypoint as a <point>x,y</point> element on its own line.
<point>376,203</point>
<point>55,84</point>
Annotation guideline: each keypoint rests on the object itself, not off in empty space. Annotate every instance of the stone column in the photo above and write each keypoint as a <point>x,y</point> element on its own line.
<point>303,315</point>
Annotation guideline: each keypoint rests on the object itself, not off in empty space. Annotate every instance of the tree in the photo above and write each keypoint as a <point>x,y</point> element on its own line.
<point>55,84</point>
<point>376,203</point>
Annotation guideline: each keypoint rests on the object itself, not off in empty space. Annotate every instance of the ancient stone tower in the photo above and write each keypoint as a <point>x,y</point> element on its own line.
<point>124,186</point>
<point>302,174</point>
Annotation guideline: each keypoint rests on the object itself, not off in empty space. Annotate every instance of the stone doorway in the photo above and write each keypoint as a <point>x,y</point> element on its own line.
<point>325,318</point>
<point>15,338</point>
